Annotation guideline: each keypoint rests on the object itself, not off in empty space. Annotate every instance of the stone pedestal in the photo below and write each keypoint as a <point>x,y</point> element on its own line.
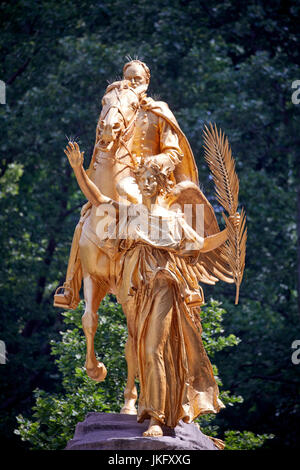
<point>113,431</point>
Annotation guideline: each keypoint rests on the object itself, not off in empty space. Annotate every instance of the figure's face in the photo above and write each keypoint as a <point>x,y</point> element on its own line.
<point>136,75</point>
<point>148,184</point>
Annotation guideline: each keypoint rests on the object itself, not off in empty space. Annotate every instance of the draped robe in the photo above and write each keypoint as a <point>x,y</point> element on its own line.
<point>146,273</point>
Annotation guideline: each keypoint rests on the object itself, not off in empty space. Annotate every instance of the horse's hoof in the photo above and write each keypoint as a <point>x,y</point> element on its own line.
<point>127,410</point>
<point>97,373</point>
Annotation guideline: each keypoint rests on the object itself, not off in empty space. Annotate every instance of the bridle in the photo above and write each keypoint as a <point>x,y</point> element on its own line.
<point>127,124</point>
<point>127,132</point>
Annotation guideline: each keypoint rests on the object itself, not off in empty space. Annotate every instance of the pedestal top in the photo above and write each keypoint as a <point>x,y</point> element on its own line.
<point>114,431</point>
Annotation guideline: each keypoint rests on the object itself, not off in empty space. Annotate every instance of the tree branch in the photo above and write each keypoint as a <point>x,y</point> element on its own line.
<point>19,71</point>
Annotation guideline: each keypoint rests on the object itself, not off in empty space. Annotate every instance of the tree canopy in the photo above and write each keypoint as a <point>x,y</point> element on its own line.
<point>232,63</point>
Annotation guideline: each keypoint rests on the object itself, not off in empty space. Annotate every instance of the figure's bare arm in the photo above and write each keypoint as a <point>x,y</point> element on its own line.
<point>88,188</point>
<point>214,241</point>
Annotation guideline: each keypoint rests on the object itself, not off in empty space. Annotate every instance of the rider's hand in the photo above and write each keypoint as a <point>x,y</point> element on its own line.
<point>74,155</point>
<point>153,162</point>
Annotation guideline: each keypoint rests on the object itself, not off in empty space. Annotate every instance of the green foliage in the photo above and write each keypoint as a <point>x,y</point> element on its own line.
<point>213,338</point>
<point>55,415</point>
<point>232,63</point>
<point>237,440</point>
<point>9,181</point>
<point>110,342</point>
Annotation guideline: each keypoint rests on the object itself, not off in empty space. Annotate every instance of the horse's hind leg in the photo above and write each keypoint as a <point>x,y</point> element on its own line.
<point>130,392</point>
<point>93,294</point>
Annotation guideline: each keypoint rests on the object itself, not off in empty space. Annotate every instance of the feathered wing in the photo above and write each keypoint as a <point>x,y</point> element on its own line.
<point>211,266</point>
<point>227,262</point>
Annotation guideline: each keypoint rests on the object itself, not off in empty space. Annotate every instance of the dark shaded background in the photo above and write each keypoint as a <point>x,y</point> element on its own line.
<point>232,63</point>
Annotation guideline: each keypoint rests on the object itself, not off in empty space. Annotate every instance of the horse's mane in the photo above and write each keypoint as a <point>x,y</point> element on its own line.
<point>119,84</point>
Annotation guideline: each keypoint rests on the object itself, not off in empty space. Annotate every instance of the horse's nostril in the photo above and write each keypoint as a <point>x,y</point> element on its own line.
<point>106,139</point>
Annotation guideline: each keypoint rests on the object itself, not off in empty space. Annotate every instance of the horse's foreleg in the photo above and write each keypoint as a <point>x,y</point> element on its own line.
<point>93,294</point>
<point>130,392</point>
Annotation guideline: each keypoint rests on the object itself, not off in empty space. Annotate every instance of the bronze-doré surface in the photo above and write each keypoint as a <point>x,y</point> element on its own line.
<point>136,241</point>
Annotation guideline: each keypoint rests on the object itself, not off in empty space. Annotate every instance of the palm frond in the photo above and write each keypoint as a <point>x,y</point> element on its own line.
<point>235,249</point>
<point>222,166</point>
<point>218,155</point>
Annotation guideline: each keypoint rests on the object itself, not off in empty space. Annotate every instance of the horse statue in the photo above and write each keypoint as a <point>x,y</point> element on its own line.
<point>109,170</point>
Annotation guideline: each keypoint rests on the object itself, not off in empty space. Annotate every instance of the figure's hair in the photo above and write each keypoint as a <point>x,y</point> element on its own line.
<point>164,184</point>
<point>142,64</point>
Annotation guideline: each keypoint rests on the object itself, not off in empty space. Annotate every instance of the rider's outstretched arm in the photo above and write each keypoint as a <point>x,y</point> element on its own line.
<point>88,188</point>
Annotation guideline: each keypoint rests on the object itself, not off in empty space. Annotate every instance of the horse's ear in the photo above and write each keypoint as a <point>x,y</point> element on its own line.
<point>117,84</point>
<point>120,85</point>
<point>125,84</point>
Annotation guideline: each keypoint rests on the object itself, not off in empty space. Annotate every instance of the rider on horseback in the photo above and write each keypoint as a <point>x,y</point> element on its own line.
<point>157,137</point>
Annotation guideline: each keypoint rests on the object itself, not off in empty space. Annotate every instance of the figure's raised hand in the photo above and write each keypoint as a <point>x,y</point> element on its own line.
<point>74,155</point>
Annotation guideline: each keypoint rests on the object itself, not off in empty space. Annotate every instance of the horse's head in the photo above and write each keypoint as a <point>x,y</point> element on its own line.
<point>119,108</point>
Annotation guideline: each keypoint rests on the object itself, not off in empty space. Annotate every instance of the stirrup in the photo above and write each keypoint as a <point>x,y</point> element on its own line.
<point>64,297</point>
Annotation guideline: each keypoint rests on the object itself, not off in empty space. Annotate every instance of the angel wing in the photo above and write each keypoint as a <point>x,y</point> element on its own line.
<point>227,262</point>
<point>212,266</point>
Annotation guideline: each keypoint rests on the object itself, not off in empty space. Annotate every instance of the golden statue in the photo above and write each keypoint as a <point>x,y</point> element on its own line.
<point>175,375</point>
<point>134,241</point>
<point>140,128</point>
